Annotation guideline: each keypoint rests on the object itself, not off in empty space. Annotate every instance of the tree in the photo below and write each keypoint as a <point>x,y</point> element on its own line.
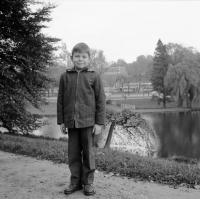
<point>160,67</point>
<point>183,76</point>
<point>121,80</point>
<point>176,53</point>
<point>175,80</point>
<point>140,70</point>
<point>64,57</point>
<point>61,61</point>
<point>98,61</point>
<point>55,72</point>
<point>114,71</point>
<point>25,55</point>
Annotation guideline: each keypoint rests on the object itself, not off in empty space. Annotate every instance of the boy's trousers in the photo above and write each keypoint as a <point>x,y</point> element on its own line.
<point>81,155</point>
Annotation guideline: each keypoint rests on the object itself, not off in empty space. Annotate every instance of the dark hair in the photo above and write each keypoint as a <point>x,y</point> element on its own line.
<point>81,47</point>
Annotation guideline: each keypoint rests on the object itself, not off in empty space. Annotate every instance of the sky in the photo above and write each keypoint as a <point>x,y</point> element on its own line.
<point>125,29</point>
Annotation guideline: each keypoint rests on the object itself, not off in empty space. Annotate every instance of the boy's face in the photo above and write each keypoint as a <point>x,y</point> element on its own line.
<point>80,59</point>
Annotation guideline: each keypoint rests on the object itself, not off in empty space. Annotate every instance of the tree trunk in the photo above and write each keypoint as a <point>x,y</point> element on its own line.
<point>190,96</point>
<point>164,99</point>
<point>110,133</point>
<point>180,101</point>
<point>188,102</point>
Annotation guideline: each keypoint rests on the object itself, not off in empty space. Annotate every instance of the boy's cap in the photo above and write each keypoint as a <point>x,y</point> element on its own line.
<point>81,47</point>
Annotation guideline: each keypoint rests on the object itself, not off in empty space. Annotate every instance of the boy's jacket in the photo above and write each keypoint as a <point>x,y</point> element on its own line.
<point>81,99</point>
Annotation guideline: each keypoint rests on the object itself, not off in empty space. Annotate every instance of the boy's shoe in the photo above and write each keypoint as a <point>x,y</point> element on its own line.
<point>72,188</point>
<point>89,190</point>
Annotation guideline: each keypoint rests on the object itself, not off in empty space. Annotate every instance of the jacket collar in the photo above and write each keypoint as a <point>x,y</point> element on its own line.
<point>73,69</point>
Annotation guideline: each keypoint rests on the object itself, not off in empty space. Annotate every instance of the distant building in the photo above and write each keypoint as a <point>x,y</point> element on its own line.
<point>137,87</point>
<point>116,70</point>
<point>133,87</point>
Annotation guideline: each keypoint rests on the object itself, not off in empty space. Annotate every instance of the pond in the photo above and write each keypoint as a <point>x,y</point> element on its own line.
<point>51,129</point>
<point>178,132</point>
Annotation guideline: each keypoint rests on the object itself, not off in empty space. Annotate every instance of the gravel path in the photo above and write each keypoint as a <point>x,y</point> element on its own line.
<point>24,177</point>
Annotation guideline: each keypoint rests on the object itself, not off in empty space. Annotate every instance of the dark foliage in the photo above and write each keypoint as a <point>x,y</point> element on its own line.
<point>160,67</point>
<point>25,55</point>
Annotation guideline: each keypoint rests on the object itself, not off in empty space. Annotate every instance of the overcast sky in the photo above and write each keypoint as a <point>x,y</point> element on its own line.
<point>125,29</point>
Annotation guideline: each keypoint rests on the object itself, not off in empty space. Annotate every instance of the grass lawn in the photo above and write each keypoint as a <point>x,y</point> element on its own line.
<point>125,164</point>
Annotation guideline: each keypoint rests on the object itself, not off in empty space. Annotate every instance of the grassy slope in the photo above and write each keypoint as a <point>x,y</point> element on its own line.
<point>125,164</point>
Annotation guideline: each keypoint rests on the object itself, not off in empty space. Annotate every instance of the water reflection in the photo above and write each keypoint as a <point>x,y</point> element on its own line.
<point>51,129</point>
<point>179,133</point>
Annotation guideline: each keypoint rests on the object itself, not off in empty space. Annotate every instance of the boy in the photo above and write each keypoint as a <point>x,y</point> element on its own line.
<point>81,109</point>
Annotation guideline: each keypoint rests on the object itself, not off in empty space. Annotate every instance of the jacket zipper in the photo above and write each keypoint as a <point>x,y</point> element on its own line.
<point>75,116</point>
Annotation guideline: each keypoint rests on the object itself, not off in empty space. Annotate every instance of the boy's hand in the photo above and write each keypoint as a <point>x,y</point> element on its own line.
<point>63,129</point>
<point>97,129</point>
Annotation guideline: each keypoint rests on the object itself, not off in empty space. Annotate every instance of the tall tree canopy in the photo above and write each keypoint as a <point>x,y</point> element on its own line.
<point>140,70</point>
<point>183,76</point>
<point>25,54</point>
<point>62,61</point>
<point>98,61</point>
<point>160,67</point>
